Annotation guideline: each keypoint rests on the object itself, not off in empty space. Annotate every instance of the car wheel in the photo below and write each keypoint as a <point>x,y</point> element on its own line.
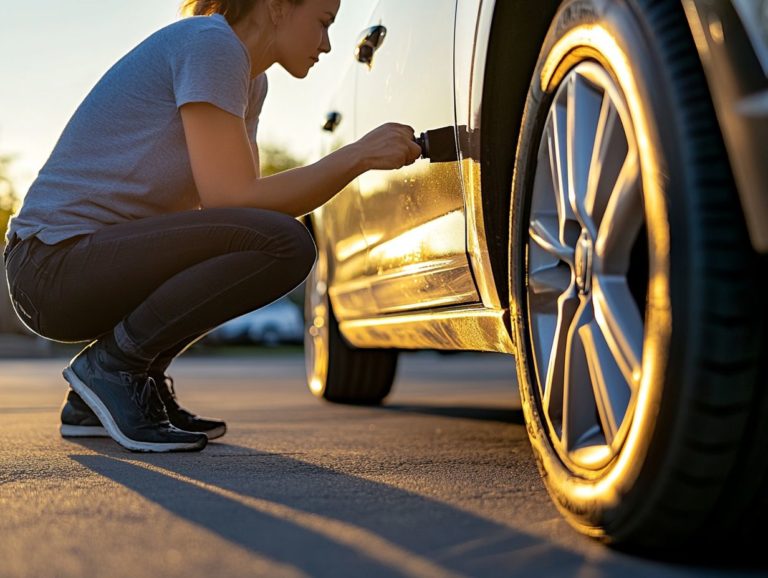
<point>635,306</point>
<point>336,371</point>
<point>270,337</point>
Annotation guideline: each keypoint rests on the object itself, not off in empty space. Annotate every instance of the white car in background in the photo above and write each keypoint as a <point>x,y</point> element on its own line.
<point>279,322</point>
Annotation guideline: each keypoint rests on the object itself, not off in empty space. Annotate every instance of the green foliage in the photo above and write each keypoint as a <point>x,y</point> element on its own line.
<point>9,200</point>
<point>275,159</point>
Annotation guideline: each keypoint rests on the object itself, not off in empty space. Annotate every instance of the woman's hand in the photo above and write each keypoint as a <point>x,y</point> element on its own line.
<point>391,146</point>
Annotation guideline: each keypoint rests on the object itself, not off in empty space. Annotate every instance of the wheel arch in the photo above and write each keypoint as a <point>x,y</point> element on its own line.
<point>314,223</point>
<point>508,70</point>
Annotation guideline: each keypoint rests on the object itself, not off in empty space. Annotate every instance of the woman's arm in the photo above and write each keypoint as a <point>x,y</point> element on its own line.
<point>226,172</point>
<point>256,158</point>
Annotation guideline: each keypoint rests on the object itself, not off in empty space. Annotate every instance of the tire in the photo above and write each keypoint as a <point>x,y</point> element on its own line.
<point>336,371</point>
<point>640,334</point>
<point>270,337</point>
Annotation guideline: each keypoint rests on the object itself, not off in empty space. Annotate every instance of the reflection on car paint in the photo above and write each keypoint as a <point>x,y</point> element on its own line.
<point>468,328</point>
<point>420,245</point>
<point>402,202</point>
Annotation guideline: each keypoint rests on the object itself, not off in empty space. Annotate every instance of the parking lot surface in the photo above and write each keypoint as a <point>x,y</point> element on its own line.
<point>438,482</point>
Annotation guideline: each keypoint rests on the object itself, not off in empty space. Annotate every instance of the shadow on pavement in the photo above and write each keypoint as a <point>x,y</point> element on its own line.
<point>327,523</point>
<point>492,414</point>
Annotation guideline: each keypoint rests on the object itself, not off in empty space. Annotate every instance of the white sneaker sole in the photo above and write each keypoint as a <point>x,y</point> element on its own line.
<point>97,431</point>
<point>216,432</point>
<point>101,411</point>
<point>82,431</point>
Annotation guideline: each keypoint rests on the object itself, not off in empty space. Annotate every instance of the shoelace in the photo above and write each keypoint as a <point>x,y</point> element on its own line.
<point>167,392</point>
<point>148,400</point>
<point>168,395</point>
<point>165,388</point>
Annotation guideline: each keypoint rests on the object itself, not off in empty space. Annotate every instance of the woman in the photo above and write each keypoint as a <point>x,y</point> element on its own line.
<point>150,225</point>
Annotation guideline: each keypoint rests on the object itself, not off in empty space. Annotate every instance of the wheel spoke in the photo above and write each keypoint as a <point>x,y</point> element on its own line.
<point>559,163</point>
<point>611,392</point>
<point>619,319</point>
<point>622,221</point>
<point>579,406</point>
<point>585,104</point>
<point>567,305</point>
<point>544,232</point>
<point>611,151</point>
<point>546,186</point>
<point>550,281</point>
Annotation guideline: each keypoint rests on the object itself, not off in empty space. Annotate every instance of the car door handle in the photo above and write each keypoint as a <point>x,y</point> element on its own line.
<point>370,41</point>
<point>332,121</point>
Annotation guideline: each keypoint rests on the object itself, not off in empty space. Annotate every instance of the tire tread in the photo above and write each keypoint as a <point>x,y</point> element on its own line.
<point>732,403</point>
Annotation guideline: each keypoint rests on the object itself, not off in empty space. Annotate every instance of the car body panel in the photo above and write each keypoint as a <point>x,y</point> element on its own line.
<point>435,274</point>
<point>469,328</point>
<point>467,274</point>
<point>414,218</point>
<point>739,89</point>
<point>342,225</point>
<point>472,35</point>
<point>338,225</point>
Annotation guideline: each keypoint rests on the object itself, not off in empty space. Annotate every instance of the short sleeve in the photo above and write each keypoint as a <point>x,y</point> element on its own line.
<point>212,66</point>
<point>258,95</point>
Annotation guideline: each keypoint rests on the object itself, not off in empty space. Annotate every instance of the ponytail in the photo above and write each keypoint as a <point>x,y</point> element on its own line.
<point>232,10</point>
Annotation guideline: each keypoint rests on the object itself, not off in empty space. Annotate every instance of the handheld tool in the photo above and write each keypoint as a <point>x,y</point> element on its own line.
<point>439,145</point>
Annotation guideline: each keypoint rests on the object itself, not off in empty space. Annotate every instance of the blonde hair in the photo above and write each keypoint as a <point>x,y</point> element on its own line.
<point>232,10</point>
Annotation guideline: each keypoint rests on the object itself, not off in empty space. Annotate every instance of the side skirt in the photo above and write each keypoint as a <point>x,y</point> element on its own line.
<point>469,328</point>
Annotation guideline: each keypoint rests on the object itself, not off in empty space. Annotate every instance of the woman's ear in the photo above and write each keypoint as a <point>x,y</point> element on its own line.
<point>277,11</point>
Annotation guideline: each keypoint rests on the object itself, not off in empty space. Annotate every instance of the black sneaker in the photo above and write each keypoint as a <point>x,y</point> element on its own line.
<point>127,404</point>
<point>78,421</point>
<point>182,418</point>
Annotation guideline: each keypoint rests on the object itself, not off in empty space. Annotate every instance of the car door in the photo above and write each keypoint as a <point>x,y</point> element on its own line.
<point>338,223</point>
<point>413,219</point>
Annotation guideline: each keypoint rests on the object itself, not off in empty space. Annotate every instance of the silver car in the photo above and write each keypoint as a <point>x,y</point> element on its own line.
<point>594,203</point>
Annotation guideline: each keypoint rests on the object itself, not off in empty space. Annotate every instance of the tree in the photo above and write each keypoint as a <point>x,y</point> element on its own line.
<point>275,159</point>
<point>9,200</point>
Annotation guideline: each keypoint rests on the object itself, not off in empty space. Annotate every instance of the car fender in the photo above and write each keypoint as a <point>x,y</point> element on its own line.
<point>495,59</point>
<point>739,88</point>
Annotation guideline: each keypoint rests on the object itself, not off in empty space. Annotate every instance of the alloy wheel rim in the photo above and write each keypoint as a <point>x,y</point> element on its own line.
<point>587,269</point>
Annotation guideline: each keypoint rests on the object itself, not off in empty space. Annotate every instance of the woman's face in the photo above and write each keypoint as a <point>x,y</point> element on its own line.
<point>302,34</point>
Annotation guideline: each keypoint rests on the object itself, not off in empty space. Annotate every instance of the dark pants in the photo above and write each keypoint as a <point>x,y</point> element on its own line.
<point>159,283</point>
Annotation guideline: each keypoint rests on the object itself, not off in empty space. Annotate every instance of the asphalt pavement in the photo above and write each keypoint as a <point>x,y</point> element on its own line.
<point>438,482</point>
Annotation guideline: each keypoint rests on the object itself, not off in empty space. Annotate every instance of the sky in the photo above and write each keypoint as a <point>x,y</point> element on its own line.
<point>54,51</point>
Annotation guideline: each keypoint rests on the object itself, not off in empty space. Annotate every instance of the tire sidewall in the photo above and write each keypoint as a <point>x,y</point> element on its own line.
<point>603,505</point>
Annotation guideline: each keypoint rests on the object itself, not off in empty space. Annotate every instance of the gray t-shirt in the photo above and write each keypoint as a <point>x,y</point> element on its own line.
<point>123,155</point>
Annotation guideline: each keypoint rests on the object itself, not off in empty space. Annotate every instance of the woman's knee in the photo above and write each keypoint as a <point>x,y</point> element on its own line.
<point>305,250</point>
<point>289,237</point>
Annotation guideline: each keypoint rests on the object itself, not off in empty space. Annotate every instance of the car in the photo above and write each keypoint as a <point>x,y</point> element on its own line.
<point>595,204</point>
<point>279,322</point>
